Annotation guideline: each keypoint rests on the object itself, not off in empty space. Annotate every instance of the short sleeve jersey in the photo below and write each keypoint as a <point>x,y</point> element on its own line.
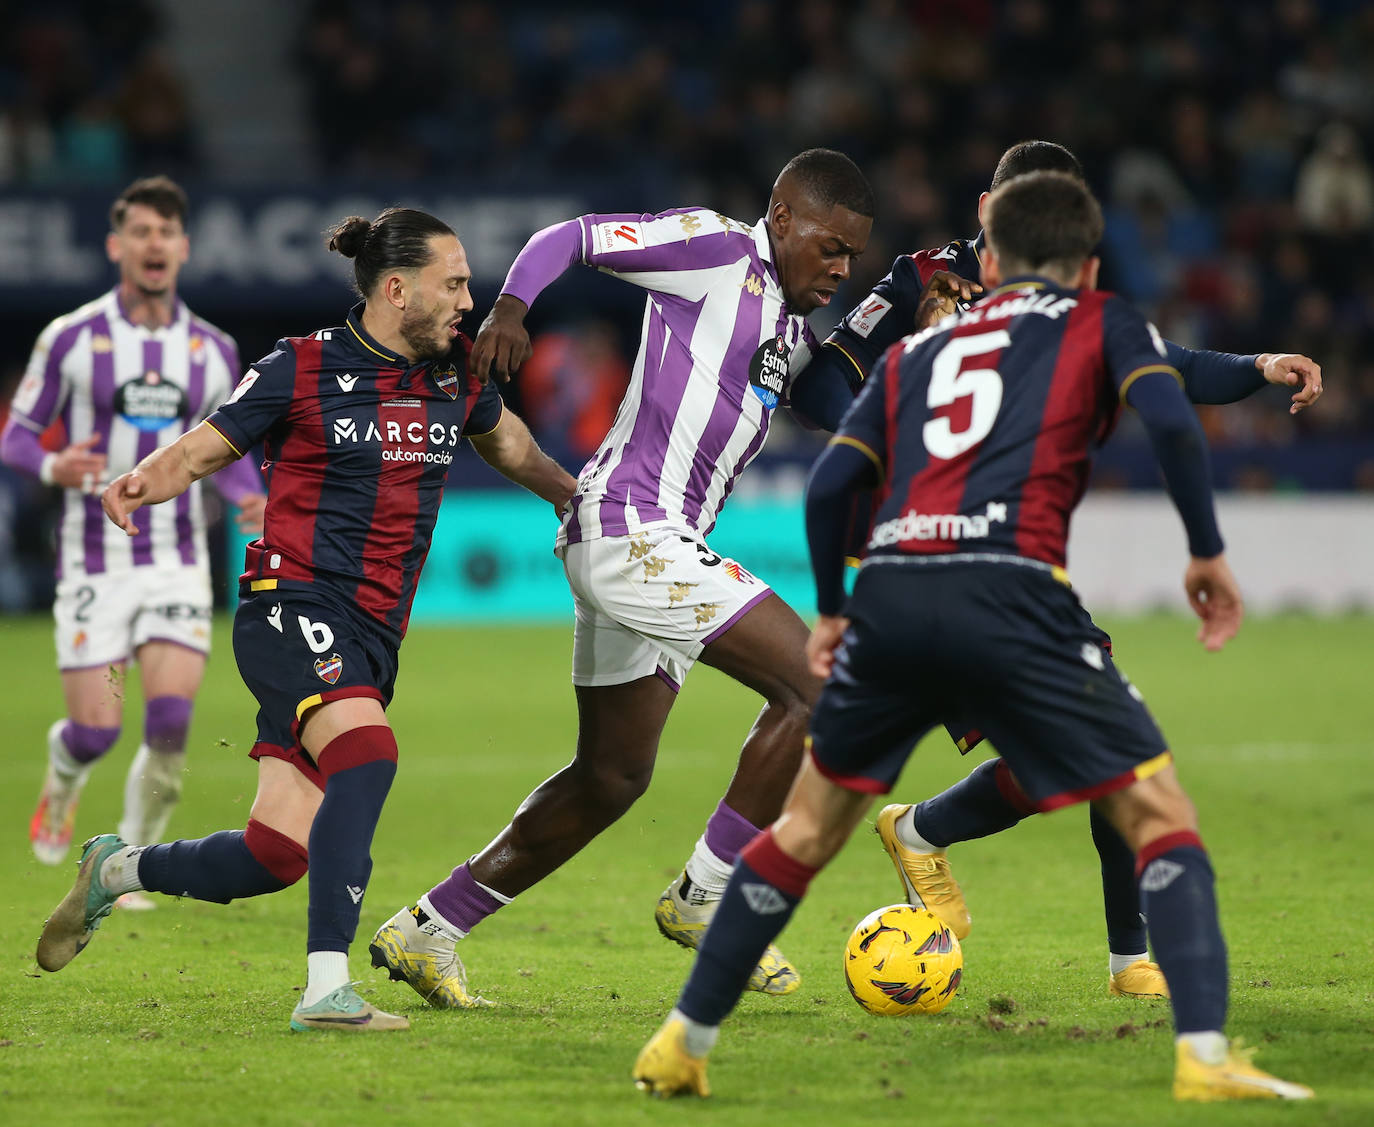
<point>718,352</point>
<point>136,389</point>
<point>983,426</point>
<point>357,442</point>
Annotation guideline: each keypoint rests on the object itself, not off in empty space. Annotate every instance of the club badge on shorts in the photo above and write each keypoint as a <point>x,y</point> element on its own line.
<point>329,668</point>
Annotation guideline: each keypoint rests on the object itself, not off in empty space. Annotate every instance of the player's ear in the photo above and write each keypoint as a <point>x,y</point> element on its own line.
<point>394,290</point>
<point>780,218</point>
<point>982,203</point>
<point>112,247</point>
<point>1087,273</point>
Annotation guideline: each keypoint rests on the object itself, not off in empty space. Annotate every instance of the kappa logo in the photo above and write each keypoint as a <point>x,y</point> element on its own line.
<point>1159,874</point>
<point>752,284</point>
<point>346,381</point>
<point>355,893</point>
<point>763,899</point>
<point>329,669</point>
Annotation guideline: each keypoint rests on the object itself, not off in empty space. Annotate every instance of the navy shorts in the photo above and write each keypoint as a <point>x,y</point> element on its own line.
<point>296,650</point>
<point>1006,648</point>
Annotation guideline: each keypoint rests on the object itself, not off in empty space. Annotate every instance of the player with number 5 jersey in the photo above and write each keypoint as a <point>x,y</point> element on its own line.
<point>359,424</point>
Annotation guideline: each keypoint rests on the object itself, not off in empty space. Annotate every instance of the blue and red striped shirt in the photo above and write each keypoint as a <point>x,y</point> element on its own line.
<point>358,441</point>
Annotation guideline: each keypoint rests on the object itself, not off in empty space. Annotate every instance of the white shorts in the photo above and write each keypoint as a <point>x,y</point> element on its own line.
<point>647,603</point>
<point>105,618</point>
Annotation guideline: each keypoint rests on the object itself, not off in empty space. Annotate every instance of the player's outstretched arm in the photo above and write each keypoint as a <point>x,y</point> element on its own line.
<point>166,473</point>
<point>1215,599</point>
<point>511,450</point>
<point>941,297</point>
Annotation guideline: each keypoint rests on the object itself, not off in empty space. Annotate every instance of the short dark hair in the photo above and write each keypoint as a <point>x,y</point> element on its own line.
<point>1043,220</point>
<point>1035,156</point>
<point>398,239</point>
<point>163,194</point>
<point>830,179</point>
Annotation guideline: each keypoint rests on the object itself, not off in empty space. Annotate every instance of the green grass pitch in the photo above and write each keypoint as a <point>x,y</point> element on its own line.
<point>179,1016</point>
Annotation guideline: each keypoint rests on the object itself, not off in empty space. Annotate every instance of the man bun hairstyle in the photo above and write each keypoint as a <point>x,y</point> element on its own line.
<point>830,179</point>
<point>398,239</point>
<point>1035,156</point>
<point>163,194</point>
<point>1043,221</point>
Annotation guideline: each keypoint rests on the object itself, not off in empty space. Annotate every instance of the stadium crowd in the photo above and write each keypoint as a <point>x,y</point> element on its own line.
<point>1232,147</point>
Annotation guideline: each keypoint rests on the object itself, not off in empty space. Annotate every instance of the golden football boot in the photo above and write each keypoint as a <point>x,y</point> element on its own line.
<point>1235,1078</point>
<point>1142,979</point>
<point>415,951</point>
<point>663,1067</point>
<point>684,918</point>
<point>926,877</point>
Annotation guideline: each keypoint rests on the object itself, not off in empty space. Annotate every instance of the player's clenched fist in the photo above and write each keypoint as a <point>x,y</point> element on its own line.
<point>122,496</point>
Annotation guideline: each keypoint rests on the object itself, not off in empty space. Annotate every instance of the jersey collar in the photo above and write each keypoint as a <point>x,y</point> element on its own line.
<point>364,340</point>
<point>179,313</point>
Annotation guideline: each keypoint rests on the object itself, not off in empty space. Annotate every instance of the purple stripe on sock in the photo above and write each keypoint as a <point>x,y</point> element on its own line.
<point>165,723</point>
<point>461,900</point>
<point>147,443</point>
<point>728,832</point>
<point>85,743</point>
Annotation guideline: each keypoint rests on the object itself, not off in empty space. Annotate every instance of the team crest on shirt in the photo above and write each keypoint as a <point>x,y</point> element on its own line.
<point>329,669</point>
<point>768,370</point>
<point>446,379</point>
<point>150,402</point>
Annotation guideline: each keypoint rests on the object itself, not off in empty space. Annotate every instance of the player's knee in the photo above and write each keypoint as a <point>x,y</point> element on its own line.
<point>612,789</point>
<point>86,743</point>
<point>166,720</point>
<point>284,857</point>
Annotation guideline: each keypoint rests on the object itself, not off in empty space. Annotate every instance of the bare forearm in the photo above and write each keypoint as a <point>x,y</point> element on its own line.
<point>170,471</point>
<point>512,451</point>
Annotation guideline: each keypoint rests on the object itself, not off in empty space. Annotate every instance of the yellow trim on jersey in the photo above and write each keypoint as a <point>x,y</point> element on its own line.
<point>1154,766</point>
<point>845,353</point>
<point>1060,575</point>
<point>499,417</point>
<point>1011,286</point>
<point>222,435</point>
<point>307,704</point>
<point>1145,371</point>
<point>853,561</point>
<point>383,355</point>
<point>845,440</point>
<point>961,745</point>
<point>262,585</point>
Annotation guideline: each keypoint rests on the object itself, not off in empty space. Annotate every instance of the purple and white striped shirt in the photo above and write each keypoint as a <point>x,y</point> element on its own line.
<point>718,352</point>
<point>139,389</point>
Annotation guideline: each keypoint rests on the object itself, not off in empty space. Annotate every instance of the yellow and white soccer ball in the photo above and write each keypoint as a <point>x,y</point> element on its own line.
<point>902,960</point>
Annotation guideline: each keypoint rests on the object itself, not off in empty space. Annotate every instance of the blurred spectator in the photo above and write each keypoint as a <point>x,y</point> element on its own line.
<point>570,389</point>
<point>1335,191</point>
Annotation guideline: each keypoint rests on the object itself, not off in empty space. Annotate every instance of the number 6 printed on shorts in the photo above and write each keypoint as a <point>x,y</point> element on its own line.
<point>318,636</point>
<point>950,380</point>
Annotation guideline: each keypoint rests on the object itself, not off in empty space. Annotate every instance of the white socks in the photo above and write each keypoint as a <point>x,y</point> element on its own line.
<point>907,835</point>
<point>119,871</point>
<point>1210,1047</point>
<point>326,971</point>
<point>707,871</point>
<point>1118,963</point>
<point>151,790</point>
<point>700,1039</point>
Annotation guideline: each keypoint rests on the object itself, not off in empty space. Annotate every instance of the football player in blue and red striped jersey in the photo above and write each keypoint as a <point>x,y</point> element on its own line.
<point>360,424</point>
<point>989,799</point>
<point>962,601</point>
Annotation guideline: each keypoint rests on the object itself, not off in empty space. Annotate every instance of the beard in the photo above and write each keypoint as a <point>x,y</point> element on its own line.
<point>425,336</point>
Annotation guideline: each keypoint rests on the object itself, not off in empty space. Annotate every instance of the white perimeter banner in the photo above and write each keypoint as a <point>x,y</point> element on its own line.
<point>1127,552</point>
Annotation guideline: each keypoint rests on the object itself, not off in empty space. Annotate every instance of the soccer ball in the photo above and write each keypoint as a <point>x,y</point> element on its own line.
<point>902,960</point>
